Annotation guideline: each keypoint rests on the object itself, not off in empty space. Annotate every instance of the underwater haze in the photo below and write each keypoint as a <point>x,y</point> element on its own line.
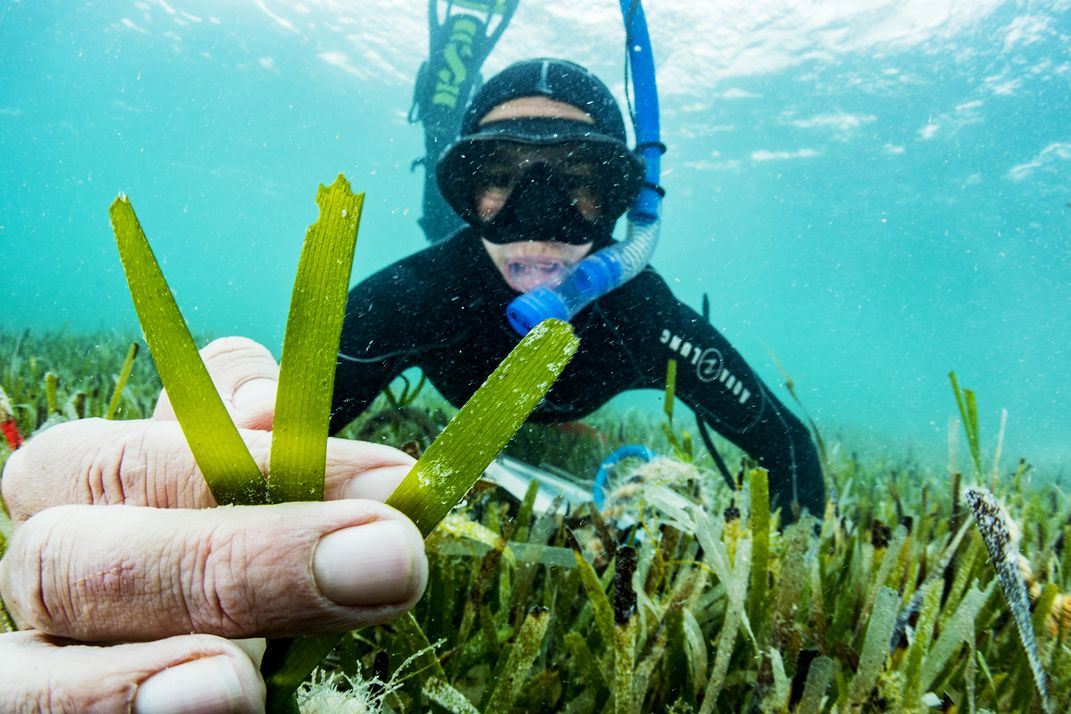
<point>870,192</point>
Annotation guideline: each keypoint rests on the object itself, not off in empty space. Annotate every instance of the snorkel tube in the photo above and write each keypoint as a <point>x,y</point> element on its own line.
<point>614,265</point>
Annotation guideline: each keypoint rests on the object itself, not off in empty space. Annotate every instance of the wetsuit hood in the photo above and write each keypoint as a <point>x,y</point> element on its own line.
<point>555,79</point>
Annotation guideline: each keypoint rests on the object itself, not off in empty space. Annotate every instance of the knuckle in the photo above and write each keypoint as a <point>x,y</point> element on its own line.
<point>219,597</point>
<point>12,480</point>
<point>236,351</point>
<point>102,478</point>
<point>95,462</point>
<point>233,362</point>
<point>32,580</point>
<point>150,466</point>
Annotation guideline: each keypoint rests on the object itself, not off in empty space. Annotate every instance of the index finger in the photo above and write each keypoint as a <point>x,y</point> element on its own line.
<point>246,376</point>
<point>148,463</point>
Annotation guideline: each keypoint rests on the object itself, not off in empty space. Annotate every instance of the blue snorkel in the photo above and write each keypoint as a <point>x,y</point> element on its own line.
<point>614,265</point>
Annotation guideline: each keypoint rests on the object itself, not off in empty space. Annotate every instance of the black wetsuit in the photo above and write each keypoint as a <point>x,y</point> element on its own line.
<point>443,310</point>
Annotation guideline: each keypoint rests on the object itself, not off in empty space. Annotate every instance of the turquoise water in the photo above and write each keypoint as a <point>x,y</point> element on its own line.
<point>875,192</point>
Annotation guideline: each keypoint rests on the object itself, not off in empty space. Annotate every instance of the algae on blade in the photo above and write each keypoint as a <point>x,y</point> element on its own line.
<point>759,524</point>
<point>514,671</point>
<point>477,433</point>
<point>818,677</point>
<point>956,630</point>
<point>1002,543</point>
<point>453,701</point>
<point>875,647</point>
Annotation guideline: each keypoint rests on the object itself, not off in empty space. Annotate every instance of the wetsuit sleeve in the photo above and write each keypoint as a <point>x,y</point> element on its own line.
<point>717,383</point>
<point>377,342</point>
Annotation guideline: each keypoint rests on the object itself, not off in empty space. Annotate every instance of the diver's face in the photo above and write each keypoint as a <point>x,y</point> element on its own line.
<point>526,265</point>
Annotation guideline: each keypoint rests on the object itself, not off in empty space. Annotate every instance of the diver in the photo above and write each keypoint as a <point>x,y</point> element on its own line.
<point>540,174</point>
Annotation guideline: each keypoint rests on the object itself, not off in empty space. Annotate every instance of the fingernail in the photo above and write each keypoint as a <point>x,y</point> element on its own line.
<point>206,684</point>
<point>377,484</point>
<point>379,563</point>
<point>253,647</point>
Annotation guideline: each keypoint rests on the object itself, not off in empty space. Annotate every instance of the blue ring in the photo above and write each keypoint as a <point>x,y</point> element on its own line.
<point>598,489</point>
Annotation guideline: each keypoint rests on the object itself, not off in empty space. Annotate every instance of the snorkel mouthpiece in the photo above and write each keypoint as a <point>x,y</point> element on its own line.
<point>586,281</point>
<point>533,307</point>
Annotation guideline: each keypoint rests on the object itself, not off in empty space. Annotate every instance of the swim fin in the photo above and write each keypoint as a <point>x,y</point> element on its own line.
<point>459,42</point>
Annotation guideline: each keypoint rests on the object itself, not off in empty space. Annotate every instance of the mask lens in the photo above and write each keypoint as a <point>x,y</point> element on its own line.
<point>479,175</point>
<point>496,181</point>
<point>506,164</point>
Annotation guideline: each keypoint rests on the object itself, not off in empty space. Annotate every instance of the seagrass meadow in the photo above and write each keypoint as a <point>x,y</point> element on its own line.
<point>919,590</point>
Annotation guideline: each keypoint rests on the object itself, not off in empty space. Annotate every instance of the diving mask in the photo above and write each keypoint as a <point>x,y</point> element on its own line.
<point>571,191</point>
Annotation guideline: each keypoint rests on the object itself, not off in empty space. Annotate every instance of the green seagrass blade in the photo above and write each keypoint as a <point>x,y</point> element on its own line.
<point>474,437</point>
<point>447,470</point>
<point>310,348</point>
<point>228,468</point>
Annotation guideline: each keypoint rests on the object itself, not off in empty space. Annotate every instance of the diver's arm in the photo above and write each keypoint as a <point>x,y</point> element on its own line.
<point>782,445</point>
<point>715,381</point>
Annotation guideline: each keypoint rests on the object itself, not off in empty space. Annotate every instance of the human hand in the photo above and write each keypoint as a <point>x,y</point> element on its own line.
<point>116,542</point>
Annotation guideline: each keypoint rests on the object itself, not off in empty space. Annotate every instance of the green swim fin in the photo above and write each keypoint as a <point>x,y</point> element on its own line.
<point>459,42</point>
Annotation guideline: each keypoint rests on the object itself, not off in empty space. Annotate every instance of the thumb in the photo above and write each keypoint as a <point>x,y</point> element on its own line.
<point>245,375</point>
<point>184,673</point>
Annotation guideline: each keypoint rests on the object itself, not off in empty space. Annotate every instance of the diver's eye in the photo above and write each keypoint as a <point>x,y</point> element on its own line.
<point>498,179</point>
<point>578,178</point>
<point>574,184</point>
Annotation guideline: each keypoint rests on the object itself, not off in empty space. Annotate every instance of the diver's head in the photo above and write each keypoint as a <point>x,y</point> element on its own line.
<point>542,157</point>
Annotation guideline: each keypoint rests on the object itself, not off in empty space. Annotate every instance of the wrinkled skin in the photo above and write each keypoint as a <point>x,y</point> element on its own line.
<point>116,541</point>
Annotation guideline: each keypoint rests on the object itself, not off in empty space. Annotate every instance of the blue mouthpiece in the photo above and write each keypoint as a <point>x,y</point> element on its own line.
<point>530,309</point>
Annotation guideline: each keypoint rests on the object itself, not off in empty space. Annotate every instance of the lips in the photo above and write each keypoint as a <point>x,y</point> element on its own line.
<point>525,274</point>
